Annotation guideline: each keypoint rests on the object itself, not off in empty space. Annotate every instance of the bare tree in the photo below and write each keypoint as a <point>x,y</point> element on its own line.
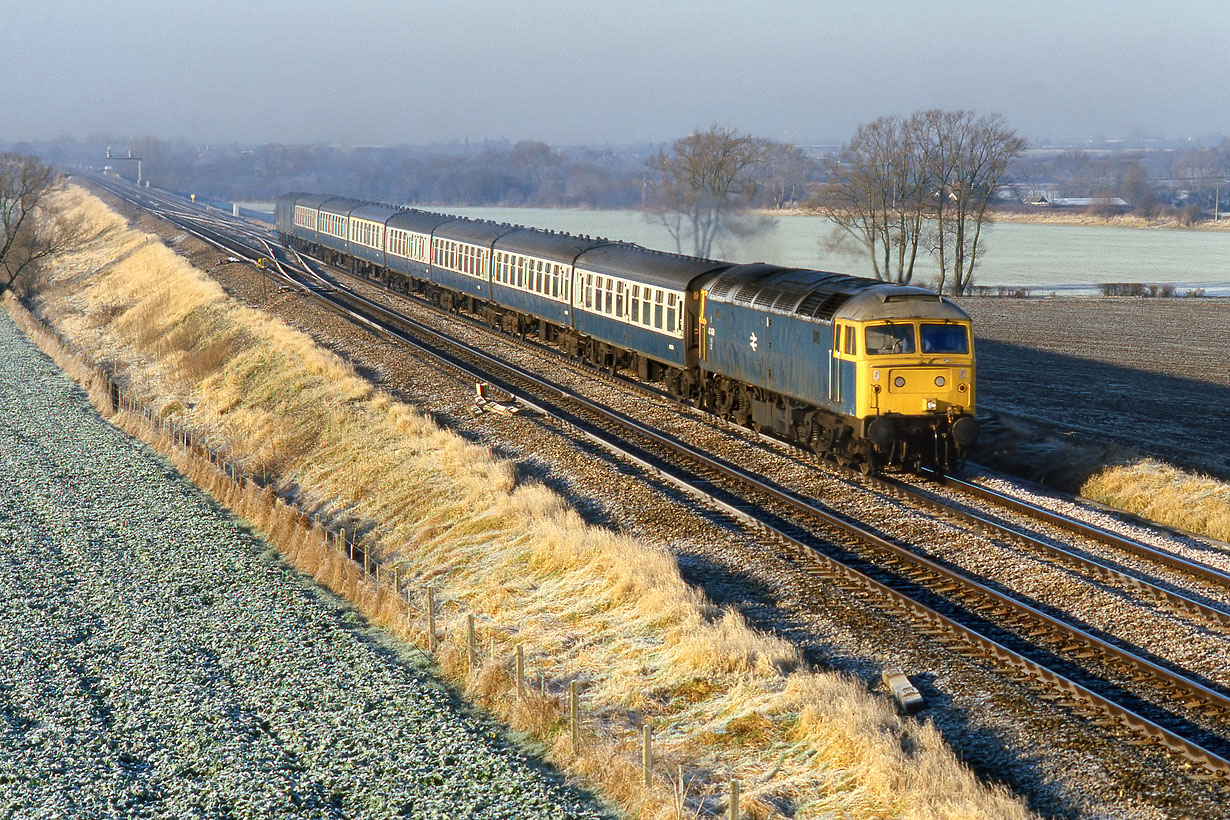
<point>969,156</point>
<point>705,187</point>
<point>1201,170</point>
<point>1139,191</point>
<point>877,193</point>
<point>29,233</point>
<point>786,171</point>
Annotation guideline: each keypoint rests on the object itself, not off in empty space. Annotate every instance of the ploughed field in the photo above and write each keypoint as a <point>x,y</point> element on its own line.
<point>1150,374</point>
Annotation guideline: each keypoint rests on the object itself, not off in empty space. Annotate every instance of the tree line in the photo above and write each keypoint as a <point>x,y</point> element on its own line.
<point>900,186</point>
<point>899,189</point>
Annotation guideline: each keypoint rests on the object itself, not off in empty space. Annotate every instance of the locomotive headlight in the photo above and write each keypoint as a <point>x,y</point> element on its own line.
<point>940,381</point>
<point>930,404</point>
<point>899,381</point>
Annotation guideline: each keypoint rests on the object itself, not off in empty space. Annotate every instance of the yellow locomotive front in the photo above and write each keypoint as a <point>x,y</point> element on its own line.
<point>913,369</point>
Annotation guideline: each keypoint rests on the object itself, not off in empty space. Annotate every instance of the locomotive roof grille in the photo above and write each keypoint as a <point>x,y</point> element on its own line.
<point>787,302</point>
<point>767,297</point>
<point>821,305</point>
<point>745,293</point>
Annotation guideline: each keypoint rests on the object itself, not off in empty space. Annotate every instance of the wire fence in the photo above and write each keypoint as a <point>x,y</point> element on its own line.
<point>368,581</point>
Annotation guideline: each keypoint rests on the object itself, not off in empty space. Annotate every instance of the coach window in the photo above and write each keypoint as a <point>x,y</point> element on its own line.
<point>671,313</point>
<point>619,300</point>
<point>657,309</point>
<point>636,304</point>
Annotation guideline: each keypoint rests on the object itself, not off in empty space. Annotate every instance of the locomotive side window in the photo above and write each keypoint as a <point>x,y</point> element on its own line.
<point>944,339</point>
<point>884,339</point>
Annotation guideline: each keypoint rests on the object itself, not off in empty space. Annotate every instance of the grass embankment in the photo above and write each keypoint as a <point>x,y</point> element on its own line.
<point>1159,492</point>
<point>1110,474</point>
<point>723,700</point>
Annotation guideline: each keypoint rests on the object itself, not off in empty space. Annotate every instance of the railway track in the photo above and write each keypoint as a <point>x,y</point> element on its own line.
<point>1073,664</point>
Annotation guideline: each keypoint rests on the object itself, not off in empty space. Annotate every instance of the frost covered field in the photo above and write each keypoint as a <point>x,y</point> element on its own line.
<point>158,660</point>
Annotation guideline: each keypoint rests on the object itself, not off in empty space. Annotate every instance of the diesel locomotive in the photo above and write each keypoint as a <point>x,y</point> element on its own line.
<point>869,373</point>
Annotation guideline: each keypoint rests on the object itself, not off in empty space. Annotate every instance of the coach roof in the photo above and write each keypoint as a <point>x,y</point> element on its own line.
<point>374,212</point>
<point>339,205</point>
<point>474,231</point>
<point>417,221</point>
<point>636,264</point>
<point>557,247</point>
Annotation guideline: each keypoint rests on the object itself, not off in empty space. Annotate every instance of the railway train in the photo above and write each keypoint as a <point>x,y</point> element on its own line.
<point>869,373</point>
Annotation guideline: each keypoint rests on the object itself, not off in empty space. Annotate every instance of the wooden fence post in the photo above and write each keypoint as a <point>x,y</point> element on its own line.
<point>431,621</point>
<point>734,800</point>
<point>520,671</point>
<point>473,641</point>
<point>574,719</point>
<point>647,754</point>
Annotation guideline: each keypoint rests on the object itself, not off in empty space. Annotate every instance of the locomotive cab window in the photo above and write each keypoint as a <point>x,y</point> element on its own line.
<point>886,339</point>
<point>944,338</point>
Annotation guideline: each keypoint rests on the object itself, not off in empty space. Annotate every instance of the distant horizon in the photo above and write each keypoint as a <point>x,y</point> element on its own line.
<point>119,143</point>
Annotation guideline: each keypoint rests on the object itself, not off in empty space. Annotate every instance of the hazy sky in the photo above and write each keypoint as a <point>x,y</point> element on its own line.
<point>364,72</point>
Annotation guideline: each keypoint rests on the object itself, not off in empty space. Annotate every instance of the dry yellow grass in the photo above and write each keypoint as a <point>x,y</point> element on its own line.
<point>584,604</point>
<point>1159,492</point>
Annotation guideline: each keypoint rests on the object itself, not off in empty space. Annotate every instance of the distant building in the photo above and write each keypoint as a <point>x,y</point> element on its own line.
<point>1115,202</point>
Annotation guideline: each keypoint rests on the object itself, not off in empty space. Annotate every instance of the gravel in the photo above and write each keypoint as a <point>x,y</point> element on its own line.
<point>160,660</point>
